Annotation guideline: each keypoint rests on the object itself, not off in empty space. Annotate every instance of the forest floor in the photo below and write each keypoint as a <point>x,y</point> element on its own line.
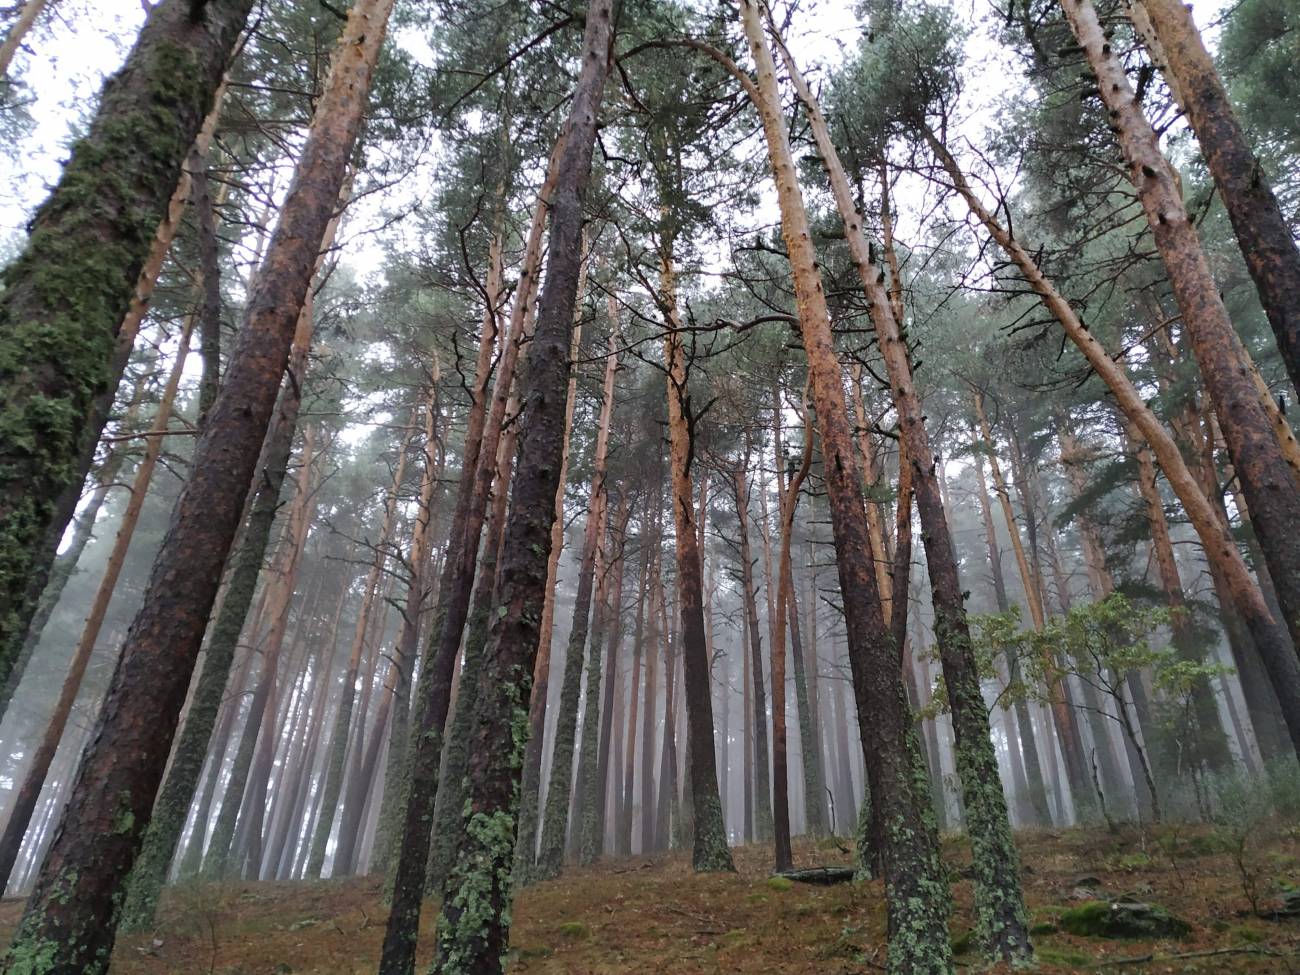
<point>652,914</point>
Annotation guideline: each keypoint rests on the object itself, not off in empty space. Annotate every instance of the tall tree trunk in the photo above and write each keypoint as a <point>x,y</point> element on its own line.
<point>667,809</point>
<point>63,298</point>
<point>28,14</point>
<point>70,920</point>
<point>788,498</point>
<point>651,673</point>
<point>1038,813</point>
<point>1277,652</point>
<point>917,901</point>
<point>332,785</point>
<point>623,846</point>
<point>1002,922</point>
<point>596,744</point>
<point>805,689</point>
<point>1169,33</point>
<point>455,589</point>
<point>245,566</point>
<point>531,783</point>
<point>1204,737</point>
<point>871,486</point>
<point>451,775</point>
<point>1267,479</point>
<point>260,718</point>
<point>474,941</point>
<point>1100,586</point>
<point>1062,716</point>
<point>589,789</point>
<point>24,803</point>
<point>204,205</point>
<point>414,606</point>
<point>759,794</point>
<point>747,741</point>
<point>550,858</point>
<point>83,529</point>
<point>292,829</point>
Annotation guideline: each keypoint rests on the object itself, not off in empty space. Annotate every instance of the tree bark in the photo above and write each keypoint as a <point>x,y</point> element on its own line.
<point>455,589</point>
<point>64,296</point>
<point>332,785</point>
<point>595,746</point>
<point>245,566</point>
<point>475,924</point>
<point>22,25</point>
<point>531,783</point>
<point>24,802</point>
<point>1220,547</point>
<point>709,850</point>
<point>1267,480</point>
<point>1175,46</point>
<point>917,899</point>
<point>65,566</point>
<point>69,925</point>
<point>1002,922</point>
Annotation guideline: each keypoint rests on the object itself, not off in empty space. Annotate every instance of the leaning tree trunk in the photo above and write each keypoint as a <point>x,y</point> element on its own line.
<point>530,784</point>
<point>455,590</point>
<point>22,25</point>
<point>173,802</point>
<point>1266,478</point>
<point>550,857</point>
<point>1276,651</point>
<point>1208,744</point>
<point>280,593</point>
<point>917,898</point>
<point>260,719</point>
<point>451,775</point>
<point>65,566</point>
<point>1175,45</point>
<point>24,802</point>
<point>70,921</point>
<point>64,297</point>
<point>1002,922</point>
<point>474,930</point>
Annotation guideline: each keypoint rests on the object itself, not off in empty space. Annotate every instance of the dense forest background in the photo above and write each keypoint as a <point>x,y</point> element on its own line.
<point>458,444</point>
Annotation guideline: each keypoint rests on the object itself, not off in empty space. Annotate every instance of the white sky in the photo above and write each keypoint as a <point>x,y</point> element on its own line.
<point>83,40</point>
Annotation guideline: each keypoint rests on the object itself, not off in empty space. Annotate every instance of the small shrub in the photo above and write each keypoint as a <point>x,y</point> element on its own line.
<point>574,931</point>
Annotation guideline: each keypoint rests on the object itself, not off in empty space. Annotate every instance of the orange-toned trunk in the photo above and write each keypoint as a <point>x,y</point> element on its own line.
<point>1219,545</point>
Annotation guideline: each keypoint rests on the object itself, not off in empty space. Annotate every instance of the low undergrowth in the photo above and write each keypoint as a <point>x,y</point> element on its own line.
<point>653,914</point>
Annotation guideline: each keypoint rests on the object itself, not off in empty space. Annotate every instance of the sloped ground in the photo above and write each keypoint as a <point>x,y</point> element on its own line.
<point>651,914</point>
